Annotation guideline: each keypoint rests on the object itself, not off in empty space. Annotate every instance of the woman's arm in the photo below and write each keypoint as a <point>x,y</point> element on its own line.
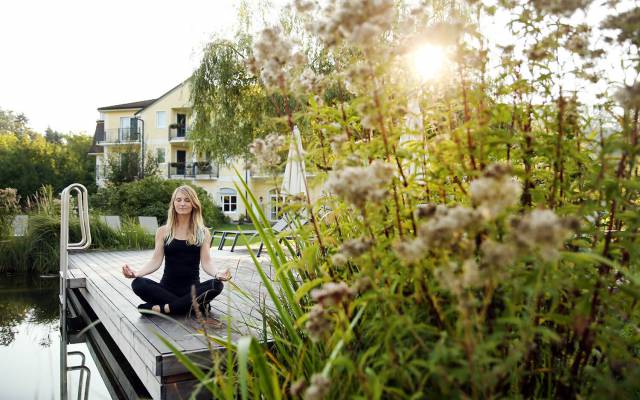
<point>207,261</point>
<point>154,263</point>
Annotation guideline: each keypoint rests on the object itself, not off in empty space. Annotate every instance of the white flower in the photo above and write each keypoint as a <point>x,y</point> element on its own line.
<point>359,22</point>
<point>495,191</point>
<point>266,150</point>
<point>318,389</point>
<point>410,251</point>
<point>339,259</point>
<point>273,54</point>
<point>360,185</point>
<point>447,226</point>
<point>542,230</point>
<point>498,254</point>
<point>308,79</point>
<point>332,294</point>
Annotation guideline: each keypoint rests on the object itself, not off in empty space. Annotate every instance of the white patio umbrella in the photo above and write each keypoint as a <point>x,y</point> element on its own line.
<point>294,171</point>
<point>413,121</point>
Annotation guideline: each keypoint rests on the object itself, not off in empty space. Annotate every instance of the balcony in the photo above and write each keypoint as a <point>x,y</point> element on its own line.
<point>197,170</point>
<point>178,133</point>
<point>119,136</point>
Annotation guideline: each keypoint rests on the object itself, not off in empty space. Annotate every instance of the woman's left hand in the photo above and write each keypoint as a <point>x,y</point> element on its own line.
<point>223,275</point>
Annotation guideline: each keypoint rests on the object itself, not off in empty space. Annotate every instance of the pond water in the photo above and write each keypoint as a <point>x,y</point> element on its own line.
<point>30,342</point>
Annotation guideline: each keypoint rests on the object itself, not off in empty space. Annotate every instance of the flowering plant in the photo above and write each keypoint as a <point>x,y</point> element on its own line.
<point>481,233</point>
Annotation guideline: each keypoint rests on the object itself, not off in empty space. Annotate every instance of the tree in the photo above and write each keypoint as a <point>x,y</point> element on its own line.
<point>125,166</point>
<point>52,136</point>
<point>28,160</point>
<point>231,109</point>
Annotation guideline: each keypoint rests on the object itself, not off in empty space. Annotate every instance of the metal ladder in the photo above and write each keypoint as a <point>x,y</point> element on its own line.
<point>65,246</point>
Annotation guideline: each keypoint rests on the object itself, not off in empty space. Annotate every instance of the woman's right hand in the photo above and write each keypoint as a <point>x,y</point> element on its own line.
<point>128,272</point>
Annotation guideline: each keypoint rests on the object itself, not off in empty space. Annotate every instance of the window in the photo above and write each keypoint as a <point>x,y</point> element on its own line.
<point>275,205</point>
<point>228,200</point>
<point>125,128</point>
<point>161,119</point>
<point>160,155</point>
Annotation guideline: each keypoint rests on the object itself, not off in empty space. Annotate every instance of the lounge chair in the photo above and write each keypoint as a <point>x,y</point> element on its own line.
<point>283,225</point>
<point>149,224</point>
<point>20,224</point>
<point>112,221</point>
<point>225,235</point>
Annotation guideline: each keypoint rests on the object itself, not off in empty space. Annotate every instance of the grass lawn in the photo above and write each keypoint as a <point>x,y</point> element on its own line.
<point>234,227</point>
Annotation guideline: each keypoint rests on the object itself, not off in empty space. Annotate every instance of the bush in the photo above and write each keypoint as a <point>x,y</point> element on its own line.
<point>150,197</point>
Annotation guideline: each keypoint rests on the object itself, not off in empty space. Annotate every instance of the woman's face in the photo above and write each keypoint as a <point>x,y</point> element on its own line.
<point>182,204</point>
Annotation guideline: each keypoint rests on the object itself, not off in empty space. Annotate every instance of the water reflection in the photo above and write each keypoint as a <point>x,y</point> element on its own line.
<point>30,341</point>
<point>27,298</point>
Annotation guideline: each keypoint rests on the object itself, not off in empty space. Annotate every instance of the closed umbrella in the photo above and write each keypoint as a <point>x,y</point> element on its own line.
<point>294,171</point>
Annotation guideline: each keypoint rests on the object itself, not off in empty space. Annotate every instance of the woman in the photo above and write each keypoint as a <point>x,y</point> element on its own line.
<point>184,241</point>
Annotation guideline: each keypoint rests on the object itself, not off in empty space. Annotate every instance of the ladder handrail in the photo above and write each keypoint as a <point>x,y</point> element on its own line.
<point>65,246</point>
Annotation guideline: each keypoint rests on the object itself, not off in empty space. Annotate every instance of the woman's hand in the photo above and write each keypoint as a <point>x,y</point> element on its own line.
<point>223,275</point>
<point>128,272</point>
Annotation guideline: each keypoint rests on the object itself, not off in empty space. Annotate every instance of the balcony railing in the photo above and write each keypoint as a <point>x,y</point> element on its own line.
<point>120,135</point>
<point>178,133</point>
<point>197,170</point>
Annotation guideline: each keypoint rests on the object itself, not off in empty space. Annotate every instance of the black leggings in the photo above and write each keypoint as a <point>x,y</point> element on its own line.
<point>179,301</point>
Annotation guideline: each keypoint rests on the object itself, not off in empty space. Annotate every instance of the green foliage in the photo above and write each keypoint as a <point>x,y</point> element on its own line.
<point>126,166</point>
<point>440,275</point>
<point>229,104</point>
<point>8,208</point>
<point>28,160</point>
<point>150,197</point>
<point>38,250</point>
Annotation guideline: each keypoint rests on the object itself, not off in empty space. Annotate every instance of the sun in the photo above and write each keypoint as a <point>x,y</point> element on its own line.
<point>428,61</point>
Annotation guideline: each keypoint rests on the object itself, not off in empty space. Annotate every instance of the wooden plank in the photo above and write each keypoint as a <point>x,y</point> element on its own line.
<point>162,355</point>
<point>171,330</point>
<point>114,310</point>
<point>116,297</point>
<point>185,337</point>
<point>75,278</point>
<point>97,344</point>
<point>144,373</point>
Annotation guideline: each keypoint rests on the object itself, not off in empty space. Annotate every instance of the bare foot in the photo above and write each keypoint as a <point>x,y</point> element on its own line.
<point>156,308</point>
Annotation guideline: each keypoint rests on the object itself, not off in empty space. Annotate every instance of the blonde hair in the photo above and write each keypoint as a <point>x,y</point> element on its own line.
<point>196,230</point>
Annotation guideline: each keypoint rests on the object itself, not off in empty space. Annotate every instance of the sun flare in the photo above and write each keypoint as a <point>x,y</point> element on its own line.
<point>428,61</point>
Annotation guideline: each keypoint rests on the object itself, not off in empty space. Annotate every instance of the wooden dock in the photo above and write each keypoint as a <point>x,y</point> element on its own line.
<point>97,277</point>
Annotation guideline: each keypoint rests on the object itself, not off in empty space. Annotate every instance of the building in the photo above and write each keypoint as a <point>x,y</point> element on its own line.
<point>160,127</point>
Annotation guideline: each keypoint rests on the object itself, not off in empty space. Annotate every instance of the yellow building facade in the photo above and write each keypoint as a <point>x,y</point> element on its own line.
<point>160,129</point>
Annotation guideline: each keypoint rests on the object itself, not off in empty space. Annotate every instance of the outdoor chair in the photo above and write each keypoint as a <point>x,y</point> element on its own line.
<point>148,224</point>
<point>225,235</point>
<point>20,224</point>
<point>112,221</point>
<point>284,224</point>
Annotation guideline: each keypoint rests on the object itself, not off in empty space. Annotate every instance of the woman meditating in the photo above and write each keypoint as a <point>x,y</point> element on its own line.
<point>184,244</point>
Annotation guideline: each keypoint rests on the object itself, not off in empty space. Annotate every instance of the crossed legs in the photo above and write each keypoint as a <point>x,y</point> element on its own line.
<point>168,302</point>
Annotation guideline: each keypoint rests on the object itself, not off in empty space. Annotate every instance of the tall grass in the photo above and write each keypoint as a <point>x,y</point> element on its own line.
<point>266,367</point>
<point>38,249</point>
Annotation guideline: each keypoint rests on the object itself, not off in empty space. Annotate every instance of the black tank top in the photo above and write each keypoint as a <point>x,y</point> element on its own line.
<point>181,265</point>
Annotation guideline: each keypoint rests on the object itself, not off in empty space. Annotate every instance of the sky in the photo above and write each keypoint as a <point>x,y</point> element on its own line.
<point>61,60</point>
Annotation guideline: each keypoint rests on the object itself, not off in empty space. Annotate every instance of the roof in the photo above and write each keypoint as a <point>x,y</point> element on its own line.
<point>99,133</point>
<point>124,106</point>
<point>159,98</point>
